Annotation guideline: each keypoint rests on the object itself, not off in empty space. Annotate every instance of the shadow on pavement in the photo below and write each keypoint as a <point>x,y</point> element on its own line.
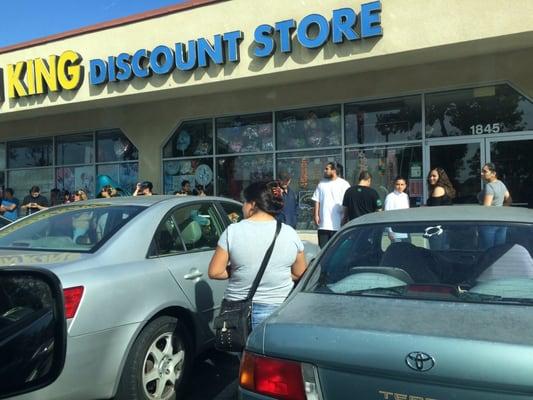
<point>214,377</point>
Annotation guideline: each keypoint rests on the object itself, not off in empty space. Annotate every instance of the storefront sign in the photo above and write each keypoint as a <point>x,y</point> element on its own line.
<point>312,32</point>
<point>65,72</point>
<point>38,76</point>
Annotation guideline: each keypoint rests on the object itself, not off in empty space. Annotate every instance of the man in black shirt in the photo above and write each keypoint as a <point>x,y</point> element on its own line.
<point>361,199</point>
<point>34,201</point>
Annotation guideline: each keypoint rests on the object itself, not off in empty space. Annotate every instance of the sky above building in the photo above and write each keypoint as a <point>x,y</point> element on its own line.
<point>24,20</point>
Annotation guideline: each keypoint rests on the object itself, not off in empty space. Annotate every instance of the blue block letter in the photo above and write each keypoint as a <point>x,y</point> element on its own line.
<point>97,72</point>
<point>323,31</point>
<point>371,19</point>
<point>264,44</point>
<point>285,29</point>
<point>343,25</point>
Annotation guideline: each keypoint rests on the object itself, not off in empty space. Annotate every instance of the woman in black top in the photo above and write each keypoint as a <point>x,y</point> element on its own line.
<point>441,191</point>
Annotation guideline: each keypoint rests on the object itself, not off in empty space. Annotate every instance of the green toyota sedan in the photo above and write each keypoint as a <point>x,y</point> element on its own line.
<point>434,303</point>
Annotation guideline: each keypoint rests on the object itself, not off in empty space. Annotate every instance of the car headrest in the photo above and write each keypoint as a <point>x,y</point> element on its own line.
<point>192,233</point>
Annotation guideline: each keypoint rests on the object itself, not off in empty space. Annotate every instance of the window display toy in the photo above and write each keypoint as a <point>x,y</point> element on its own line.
<point>203,175</point>
<point>183,142</point>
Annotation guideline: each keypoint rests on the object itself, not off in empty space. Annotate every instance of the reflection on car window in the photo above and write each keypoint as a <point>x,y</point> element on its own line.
<point>233,211</point>
<point>199,226</point>
<point>73,228</point>
<point>452,261</point>
<point>21,297</point>
<point>166,239</point>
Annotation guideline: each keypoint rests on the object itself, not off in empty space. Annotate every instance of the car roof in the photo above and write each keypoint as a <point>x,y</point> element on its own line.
<point>448,213</point>
<point>147,201</point>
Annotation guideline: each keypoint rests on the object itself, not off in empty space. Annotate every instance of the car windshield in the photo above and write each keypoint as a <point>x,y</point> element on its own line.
<point>72,228</point>
<point>457,261</point>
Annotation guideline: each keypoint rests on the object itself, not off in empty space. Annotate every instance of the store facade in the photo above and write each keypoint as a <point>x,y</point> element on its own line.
<point>255,89</point>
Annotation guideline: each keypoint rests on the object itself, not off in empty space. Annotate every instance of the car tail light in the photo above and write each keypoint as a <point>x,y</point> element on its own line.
<point>72,298</point>
<point>278,378</point>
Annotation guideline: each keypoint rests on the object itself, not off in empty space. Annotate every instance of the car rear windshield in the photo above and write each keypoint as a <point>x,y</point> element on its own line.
<point>72,228</point>
<point>456,261</point>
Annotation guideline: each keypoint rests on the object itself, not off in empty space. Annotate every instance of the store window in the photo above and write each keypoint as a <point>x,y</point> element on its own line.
<point>193,138</point>
<point>235,173</point>
<point>198,171</point>
<point>306,169</point>
<point>113,145</point>
<point>23,179</point>
<point>383,121</point>
<point>308,128</point>
<point>30,153</point>
<point>477,111</point>
<point>75,149</point>
<point>75,178</point>
<point>244,134</point>
<point>124,175</point>
<point>385,164</point>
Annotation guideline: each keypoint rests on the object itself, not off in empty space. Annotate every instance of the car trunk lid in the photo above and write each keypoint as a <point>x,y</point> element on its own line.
<point>362,345</point>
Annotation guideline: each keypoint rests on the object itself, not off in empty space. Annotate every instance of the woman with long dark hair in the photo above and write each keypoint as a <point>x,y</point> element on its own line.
<point>242,246</point>
<point>441,191</point>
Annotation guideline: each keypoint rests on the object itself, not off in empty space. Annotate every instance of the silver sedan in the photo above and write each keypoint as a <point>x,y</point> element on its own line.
<point>138,300</point>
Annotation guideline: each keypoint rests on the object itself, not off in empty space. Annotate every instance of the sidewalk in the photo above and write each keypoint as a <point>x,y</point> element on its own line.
<point>309,235</point>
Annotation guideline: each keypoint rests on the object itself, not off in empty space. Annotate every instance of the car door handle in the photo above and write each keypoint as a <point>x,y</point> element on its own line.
<point>193,274</point>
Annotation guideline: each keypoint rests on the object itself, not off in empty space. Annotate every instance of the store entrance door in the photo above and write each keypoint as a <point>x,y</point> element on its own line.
<point>463,158</point>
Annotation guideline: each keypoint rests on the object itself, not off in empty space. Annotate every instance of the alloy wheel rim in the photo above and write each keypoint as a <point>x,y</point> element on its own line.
<point>162,367</point>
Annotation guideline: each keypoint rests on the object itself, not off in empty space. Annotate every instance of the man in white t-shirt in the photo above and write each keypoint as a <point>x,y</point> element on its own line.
<point>397,200</point>
<point>328,198</point>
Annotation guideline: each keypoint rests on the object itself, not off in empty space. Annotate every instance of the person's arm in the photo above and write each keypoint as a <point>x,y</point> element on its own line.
<point>317,213</point>
<point>10,207</point>
<point>218,267</point>
<point>438,192</point>
<point>507,199</point>
<point>345,218</point>
<point>299,266</point>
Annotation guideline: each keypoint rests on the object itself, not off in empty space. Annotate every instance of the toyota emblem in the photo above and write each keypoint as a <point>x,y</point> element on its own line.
<point>419,361</point>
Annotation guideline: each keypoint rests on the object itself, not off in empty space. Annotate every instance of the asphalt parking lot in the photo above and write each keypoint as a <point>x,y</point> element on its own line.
<point>214,377</point>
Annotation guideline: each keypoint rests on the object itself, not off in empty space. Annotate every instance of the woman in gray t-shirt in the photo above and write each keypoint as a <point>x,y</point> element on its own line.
<point>242,247</point>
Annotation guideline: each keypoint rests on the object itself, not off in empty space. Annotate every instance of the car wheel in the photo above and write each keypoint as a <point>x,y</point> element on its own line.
<point>157,363</point>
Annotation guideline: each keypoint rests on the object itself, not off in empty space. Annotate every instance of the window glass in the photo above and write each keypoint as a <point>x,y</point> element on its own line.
<point>123,176</point>
<point>193,138</point>
<point>22,180</point>
<point>74,149</point>
<point>237,172</point>
<point>472,261</point>
<point>385,164</point>
<point>232,211</point>
<point>75,178</point>
<point>197,171</point>
<point>308,128</point>
<point>113,145</point>
<point>70,228</point>
<point>306,169</point>
<point>477,111</point>
<point>199,226</point>
<point>30,153</point>
<point>244,134</point>
<point>166,239</point>
<point>380,121</point>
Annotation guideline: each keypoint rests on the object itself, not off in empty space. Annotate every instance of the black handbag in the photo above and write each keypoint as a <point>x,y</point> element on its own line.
<point>234,322</point>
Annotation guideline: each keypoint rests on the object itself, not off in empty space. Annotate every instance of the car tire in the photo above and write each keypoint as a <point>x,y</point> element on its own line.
<point>158,362</point>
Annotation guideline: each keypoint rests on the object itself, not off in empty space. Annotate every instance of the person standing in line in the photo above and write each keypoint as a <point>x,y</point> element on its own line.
<point>328,197</point>
<point>289,214</point>
<point>361,199</point>
<point>34,202</point>
<point>397,199</point>
<point>80,195</point>
<point>10,205</point>
<point>441,191</point>
<point>237,260</point>
<point>494,194</point>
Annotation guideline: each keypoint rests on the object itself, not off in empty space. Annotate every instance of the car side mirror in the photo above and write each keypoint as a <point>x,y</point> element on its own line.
<point>33,332</point>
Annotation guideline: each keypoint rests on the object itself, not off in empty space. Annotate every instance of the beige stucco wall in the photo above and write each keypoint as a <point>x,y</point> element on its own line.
<point>149,124</point>
<point>415,32</point>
